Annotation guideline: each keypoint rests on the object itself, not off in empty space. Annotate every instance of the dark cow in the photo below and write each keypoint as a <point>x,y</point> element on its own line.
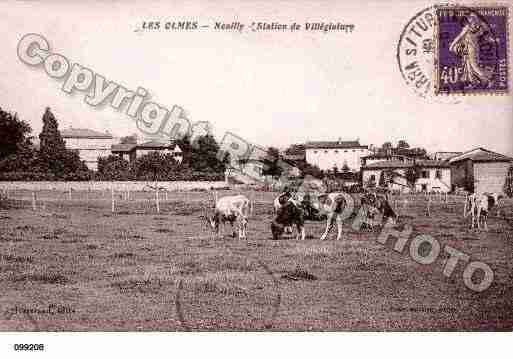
<point>288,215</point>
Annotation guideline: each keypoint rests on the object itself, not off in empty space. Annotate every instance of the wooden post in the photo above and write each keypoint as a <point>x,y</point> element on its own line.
<point>428,205</point>
<point>112,199</point>
<point>33,200</point>
<point>157,199</point>
<point>465,206</point>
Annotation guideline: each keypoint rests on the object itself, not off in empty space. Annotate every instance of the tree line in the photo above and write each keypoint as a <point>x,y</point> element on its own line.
<point>20,160</point>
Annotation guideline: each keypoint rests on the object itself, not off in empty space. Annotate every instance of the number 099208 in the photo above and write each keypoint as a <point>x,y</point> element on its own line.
<point>29,347</point>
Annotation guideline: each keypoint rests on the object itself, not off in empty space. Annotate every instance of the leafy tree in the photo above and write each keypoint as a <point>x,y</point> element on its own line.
<point>308,169</point>
<point>403,144</point>
<point>387,146</point>
<point>156,166</point>
<point>24,160</point>
<point>113,167</point>
<point>13,134</point>
<point>508,185</point>
<point>295,149</point>
<point>272,163</point>
<point>132,139</point>
<point>202,157</point>
<point>412,174</point>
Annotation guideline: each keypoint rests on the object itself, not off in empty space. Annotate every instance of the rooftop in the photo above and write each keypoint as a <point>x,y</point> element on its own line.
<point>401,164</point>
<point>334,144</point>
<point>84,133</point>
<point>153,144</point>
<point>481,155</point>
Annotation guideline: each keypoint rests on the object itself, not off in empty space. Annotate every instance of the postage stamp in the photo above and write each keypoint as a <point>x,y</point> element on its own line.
<point>471,50</point>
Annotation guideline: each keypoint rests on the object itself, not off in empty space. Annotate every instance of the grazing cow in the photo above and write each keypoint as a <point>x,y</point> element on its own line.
<point>479,207</point>
<point>384,207</point>
<point>231,209</point>
<point>332,204</point>
<point>289,214</point>
<point>279,202</point>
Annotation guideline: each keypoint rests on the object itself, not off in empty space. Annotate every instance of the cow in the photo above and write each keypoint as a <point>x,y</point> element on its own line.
<point>289,214</point>
<point>479,206</point>
<point>370,208</point>
<point>233,209</point>
<point>332,205</point>
<point>279,202</point>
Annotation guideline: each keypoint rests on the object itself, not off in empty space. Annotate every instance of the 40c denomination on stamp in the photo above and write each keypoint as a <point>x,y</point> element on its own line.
<point>471,51</point>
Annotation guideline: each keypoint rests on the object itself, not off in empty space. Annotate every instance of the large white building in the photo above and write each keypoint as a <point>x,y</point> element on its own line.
<point>329,154</point>
<point>90,144</point>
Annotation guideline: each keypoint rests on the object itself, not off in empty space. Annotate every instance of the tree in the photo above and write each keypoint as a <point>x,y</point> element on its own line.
<point>272,167</point>
<point>132,139</point>
<point>387,146</point>
<point>155,166</point>
<point>508,184</point>
<point>403,144</point>
<point>53,155</point>
<point>113,167</point>
<point>412,174</point>
<point>13,134</point>
<point>204,155</point>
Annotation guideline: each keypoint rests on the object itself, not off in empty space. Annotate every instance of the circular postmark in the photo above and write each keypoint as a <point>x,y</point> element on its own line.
<point>269,320</point>
<point>415,52</point>
<point>425,44</point>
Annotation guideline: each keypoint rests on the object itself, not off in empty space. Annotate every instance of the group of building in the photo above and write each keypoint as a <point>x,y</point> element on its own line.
<point>478,170</point>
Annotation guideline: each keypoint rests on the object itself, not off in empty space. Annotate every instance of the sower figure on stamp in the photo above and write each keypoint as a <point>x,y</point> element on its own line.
<point>466,45</point>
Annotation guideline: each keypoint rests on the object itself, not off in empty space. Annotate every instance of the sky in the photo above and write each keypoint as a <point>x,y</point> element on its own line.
<point>270,88</point>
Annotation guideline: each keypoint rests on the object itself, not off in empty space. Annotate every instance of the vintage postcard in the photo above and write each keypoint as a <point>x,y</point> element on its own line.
<point>255,166</point>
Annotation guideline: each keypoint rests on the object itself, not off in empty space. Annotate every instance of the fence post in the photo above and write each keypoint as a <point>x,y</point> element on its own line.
<point>33,200</point>
<point>157,199</point>
<point>112,199</point>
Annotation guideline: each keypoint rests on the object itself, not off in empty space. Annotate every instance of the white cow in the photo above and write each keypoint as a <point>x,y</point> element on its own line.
<point>332,205</point>
<point>479,206</point>
<point>231,209</point>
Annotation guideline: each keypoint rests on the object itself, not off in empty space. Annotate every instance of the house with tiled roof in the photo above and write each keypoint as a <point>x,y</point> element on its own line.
<point>90,144</point>
<point>480,170</point>
<point>445,155</point>
<point>329,154</point>
<point>434,176</point>
<point>131,151</point>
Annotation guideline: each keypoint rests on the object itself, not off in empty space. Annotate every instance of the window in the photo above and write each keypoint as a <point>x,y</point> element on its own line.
<point>325,151</point>
<point>438,174</point>
<point>372,177</point>
<point>336,151</point>
<point>353,150</point>
<point>315,151</point>
<point>425,174</point>
<point>424,187</point>
<point>345,150</point>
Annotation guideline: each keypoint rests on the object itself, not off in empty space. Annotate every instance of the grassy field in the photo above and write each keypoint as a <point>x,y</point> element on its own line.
<point>75,266</point>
